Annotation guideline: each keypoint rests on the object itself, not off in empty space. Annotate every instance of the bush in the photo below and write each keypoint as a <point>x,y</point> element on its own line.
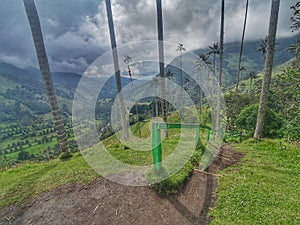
<point>175,183</point>
<point>246,120</point>
<point>65,156</point>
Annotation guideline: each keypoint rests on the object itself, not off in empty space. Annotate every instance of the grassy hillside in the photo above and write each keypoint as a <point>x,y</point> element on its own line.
<point>17,184</point>
<point>29,179</point>
<point>263,189</point>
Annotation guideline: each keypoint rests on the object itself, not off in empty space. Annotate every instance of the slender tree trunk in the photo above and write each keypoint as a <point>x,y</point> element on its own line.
<point>220,66</point>
<point>268,70</point>
<point>37,35</point>
<point>241,49</point>
<point>161,57</point>
<point>221,43</point>
<point>117,67</point>
<point>161,61</point>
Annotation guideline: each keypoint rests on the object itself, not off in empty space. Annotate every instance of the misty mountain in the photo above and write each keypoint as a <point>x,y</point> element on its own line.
<point>22,91</point>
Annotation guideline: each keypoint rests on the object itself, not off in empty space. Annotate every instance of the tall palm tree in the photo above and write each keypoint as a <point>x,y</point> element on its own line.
<point>222,42</point>
<point>214,50</point>
<point>220,64</point>
<point>180,48</point>
<point>127,61</point>
<point>169,75</point>
<point>295,48</point>
<point>262,47</point>
<point>267,70</point>
<point>37,35</point>
<point>116,66</point>
<point>252,75</point>
<point>242,46</point>
<point>160,37</point>
<point>203,59</point>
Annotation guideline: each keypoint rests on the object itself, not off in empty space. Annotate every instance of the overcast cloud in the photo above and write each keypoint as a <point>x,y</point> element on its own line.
<point>76,31</point>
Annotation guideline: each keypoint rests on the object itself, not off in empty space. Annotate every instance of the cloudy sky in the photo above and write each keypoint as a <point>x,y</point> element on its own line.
<point>76,31</point>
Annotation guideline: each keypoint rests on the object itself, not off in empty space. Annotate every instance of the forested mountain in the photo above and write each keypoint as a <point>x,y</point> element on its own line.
<point>22,94</point>
<point>22,91</point>
<point>252,59</point>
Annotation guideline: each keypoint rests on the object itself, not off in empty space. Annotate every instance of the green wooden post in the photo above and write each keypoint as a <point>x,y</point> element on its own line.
<point>208,134</point>
<point>156,147</point>
<point>197,134</point>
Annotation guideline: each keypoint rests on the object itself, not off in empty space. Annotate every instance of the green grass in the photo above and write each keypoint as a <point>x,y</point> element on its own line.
<point>30,179</point>
<point>263,189</point>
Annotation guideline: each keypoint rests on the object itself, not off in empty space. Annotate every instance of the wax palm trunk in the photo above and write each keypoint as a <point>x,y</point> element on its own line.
<point>242,47</point>
<point>116,67</point>
<point>268,70</point>
<point>161,57</point>
<point>45,71</point>
<point>218,116</point>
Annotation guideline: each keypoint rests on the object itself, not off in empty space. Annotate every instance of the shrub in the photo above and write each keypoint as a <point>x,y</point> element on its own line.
<point>246,120</point>
<point>175,183</point>
<point>65,156</point>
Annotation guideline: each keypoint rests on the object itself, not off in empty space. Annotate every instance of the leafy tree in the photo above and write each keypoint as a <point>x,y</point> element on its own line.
<point>235,102</point>
<point>287,95</point>
<point>24,155</point>
<point>258,134</point>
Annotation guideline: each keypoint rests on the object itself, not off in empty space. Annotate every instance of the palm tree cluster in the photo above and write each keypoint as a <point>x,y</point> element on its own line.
<point>267,47</point>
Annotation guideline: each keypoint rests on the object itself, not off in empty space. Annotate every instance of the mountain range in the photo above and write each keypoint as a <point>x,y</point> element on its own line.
<point>22,95</point>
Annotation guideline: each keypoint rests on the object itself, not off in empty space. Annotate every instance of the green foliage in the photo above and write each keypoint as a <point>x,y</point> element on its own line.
<point>175,183</point>
<point>263,188</point>
<point>246,120</point>
<point>235,102</point>
<point>296,16</point>
<point>23,155</point>
<point>65,156</point>
<point>285,98</point>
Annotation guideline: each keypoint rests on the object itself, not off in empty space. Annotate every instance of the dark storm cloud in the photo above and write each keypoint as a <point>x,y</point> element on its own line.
<point>67,50</point>
<point>76,32</point>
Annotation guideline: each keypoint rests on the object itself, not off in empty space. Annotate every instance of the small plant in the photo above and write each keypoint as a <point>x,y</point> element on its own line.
<point>174,183</point>
<point>65,156</point>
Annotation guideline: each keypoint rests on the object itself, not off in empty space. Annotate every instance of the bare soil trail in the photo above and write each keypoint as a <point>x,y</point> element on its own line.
<point>105,202</point>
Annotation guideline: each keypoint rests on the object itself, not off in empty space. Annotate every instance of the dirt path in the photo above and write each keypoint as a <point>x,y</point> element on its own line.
<point>104,202</point>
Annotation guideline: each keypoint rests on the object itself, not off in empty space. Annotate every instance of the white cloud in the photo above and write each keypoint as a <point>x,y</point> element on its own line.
<point>81,32</point>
